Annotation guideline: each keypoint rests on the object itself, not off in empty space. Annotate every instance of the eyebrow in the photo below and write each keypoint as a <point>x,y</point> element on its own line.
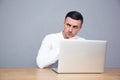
<point>75,26</point>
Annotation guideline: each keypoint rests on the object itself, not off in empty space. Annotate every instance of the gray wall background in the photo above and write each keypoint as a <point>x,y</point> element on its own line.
<point>24,23</point>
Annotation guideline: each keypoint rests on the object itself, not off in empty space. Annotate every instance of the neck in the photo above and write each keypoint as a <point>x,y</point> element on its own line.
<point>64,35</point>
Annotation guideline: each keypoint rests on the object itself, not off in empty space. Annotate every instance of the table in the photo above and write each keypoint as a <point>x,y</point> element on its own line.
<point>48,74</point>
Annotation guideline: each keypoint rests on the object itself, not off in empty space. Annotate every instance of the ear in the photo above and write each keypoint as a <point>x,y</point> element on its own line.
<point>64,21</point>
<point>80,27</point>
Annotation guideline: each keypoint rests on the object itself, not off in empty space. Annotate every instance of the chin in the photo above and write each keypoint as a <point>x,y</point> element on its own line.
<point>69,37</point>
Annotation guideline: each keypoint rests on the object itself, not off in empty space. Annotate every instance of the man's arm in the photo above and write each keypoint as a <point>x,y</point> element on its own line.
<point>46,55</point>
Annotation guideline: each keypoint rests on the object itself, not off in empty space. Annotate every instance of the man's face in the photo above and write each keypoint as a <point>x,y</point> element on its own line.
<point>71,27</point>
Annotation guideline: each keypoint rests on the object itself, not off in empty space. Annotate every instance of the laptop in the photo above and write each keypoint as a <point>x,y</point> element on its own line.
<point>81,56</point>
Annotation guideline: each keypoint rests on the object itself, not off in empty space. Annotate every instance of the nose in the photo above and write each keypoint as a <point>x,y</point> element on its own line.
<point>70,29</point>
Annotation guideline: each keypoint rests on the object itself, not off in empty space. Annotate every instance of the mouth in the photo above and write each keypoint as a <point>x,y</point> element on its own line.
<point>69,34</point>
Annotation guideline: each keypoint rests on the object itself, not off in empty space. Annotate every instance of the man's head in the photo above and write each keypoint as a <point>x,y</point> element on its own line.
<point>72,24</point>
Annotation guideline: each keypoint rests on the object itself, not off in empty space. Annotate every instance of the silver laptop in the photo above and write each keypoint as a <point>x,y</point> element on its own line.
<point>81,56</point>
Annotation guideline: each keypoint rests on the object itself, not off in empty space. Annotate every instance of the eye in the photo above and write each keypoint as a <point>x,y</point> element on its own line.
<point>68,25</point>
<point>76,27</point>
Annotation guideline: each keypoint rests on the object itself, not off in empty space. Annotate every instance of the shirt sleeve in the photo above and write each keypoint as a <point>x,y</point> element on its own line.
<point>46,55</point>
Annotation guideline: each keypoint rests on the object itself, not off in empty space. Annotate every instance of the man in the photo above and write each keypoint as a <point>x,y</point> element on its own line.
<point>49,50</point>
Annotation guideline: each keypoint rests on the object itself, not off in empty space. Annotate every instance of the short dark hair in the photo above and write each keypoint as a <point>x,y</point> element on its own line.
<point>75,15</point>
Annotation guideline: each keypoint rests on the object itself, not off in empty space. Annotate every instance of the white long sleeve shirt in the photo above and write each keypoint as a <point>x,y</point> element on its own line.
<point>49,50</point>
